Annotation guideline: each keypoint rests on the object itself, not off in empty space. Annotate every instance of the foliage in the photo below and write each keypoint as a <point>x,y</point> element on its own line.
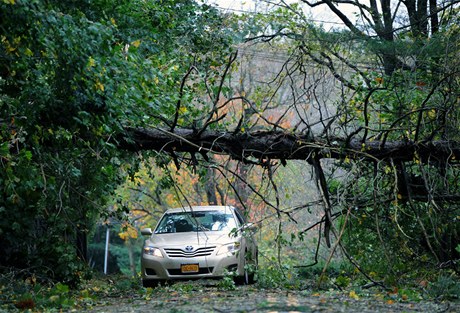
<point>446,287</point>
<point>72,77</point>
<point>277,273</point>
<point>227,282</point>
<point>397,84</point>
<point>31,295</point>
<point>58,164</point>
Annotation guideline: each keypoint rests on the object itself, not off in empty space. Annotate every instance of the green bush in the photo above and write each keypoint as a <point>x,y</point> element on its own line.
<point>447,287</point>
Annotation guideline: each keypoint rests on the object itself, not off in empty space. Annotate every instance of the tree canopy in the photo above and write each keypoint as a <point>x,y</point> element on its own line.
<point>74,75</point>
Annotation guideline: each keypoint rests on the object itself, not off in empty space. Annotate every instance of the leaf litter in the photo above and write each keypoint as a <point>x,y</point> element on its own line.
<point>207,296</point>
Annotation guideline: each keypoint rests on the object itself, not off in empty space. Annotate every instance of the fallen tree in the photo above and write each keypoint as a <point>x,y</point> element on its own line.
<point>255,147</point>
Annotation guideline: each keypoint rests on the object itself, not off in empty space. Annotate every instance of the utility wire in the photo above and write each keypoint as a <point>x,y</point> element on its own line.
<point>280,57</point>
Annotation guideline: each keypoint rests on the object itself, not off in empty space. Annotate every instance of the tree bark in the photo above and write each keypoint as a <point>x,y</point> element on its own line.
<point>210,186</point>
<point>258,147</point>
<point>82,244</point>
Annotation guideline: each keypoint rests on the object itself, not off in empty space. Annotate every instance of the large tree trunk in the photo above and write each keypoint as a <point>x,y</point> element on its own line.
<point>257,147</point>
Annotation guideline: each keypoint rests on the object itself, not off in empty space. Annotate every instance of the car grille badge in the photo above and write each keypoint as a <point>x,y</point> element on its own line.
<point>189,248</point>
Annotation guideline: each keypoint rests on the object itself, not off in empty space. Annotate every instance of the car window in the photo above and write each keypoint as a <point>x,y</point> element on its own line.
<point>196,221</point>
<point>239,217</point>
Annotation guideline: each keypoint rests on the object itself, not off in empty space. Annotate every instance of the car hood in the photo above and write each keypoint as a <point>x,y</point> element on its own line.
<point>191,238</point>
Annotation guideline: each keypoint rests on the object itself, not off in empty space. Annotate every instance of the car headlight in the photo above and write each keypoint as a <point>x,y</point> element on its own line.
<point>153,251</point>
<point>231,247</point>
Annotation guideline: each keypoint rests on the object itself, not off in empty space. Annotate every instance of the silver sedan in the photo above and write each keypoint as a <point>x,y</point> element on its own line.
<point>199,242</point>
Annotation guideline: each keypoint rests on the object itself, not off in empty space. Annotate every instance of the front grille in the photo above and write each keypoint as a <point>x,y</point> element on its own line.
<point>179,253</point>
<point>202,270</point>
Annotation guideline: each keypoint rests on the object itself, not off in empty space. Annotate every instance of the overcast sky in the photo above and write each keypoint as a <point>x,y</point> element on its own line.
<point>250,5</point>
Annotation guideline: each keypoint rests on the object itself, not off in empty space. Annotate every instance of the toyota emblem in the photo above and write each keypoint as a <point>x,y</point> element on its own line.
<point>189,248</point>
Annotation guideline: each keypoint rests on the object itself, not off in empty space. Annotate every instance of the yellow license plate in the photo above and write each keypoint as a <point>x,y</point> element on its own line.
<point>189,268</point>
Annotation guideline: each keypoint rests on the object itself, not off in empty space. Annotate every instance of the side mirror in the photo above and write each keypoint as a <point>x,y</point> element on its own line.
<point>147,231</point>
<point>250,227</point>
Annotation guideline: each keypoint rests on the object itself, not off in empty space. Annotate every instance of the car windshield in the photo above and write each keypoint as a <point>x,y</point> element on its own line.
<point>196,221</point>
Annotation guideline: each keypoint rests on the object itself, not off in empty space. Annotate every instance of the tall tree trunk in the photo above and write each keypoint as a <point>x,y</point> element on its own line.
<point>241,185</point>
<point>210,186</point>
<point>82,244</point>
<point>434,17</point>
<point>417,11</point>
<point>132,265</point>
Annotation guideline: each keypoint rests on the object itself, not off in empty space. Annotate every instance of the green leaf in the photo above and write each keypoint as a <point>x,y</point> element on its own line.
<point>4,150</point>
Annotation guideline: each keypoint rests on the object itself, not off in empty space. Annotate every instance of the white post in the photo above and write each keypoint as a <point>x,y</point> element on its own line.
<point>106,257</point>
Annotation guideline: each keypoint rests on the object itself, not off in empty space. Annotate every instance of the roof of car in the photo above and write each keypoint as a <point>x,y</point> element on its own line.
<point>201,208</point>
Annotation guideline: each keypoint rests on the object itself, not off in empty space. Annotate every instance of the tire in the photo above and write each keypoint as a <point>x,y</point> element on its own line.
<point>248,278</point>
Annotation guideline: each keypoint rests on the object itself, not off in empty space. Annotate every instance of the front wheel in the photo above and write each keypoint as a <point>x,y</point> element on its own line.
<point>248,277</point>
